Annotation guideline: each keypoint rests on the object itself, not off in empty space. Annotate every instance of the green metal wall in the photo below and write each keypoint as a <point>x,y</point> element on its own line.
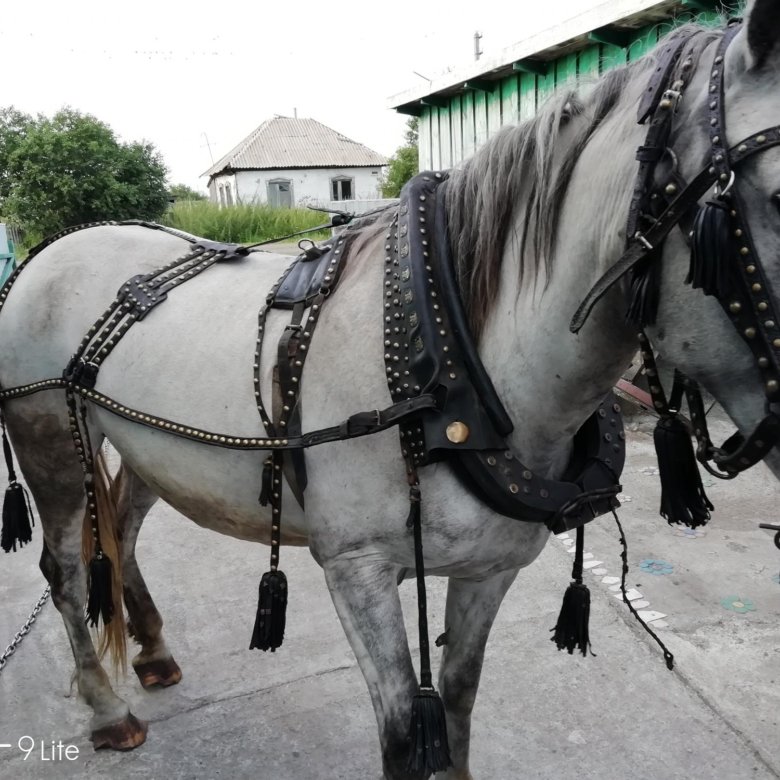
<point>452,133</point>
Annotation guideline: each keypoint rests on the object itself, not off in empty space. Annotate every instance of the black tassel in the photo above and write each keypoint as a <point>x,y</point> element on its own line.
<point>268,633</point>
<point>572,629</point>
<point>265,490</point>
<point>17,512</point>
<point>99,600</point>
<point>683,499</point>
<point>429,749</point>
<point>17,518</point>
<point>711,250</point>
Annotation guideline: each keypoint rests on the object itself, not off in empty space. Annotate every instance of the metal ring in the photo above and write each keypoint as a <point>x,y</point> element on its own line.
<point>722,192</point>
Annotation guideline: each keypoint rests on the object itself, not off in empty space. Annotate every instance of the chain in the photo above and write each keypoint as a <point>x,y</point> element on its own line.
<point>24,630</point>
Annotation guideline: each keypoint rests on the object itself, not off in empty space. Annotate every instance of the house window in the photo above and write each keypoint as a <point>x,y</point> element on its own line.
<point>221,194</point>
<point>280,193</point>
<point>341,188</point>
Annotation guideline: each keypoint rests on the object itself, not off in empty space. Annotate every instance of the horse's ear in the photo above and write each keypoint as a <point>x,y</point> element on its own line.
<point>763,30</point>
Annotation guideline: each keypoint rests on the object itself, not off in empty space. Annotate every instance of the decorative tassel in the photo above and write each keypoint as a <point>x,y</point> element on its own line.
<point>100,603</point>
<point>429,750</point>
<point>711,249</point>
<point>683,499</point>
<point>572,631</point>
<point>265,490</point>
<point>17,518</point>
<point>268,633</point>
<point>17,512</point>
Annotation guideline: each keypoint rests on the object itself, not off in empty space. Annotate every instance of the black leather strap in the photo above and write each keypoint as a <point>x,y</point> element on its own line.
<point>666,59</point>
<point>642,245</point>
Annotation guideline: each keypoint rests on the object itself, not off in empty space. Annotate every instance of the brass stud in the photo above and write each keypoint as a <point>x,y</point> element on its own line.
<point>751,269</point>
<point>670,189</point>
<point>457,432</point>
<point>735,308</point>
<point>750,333</point>
<point>763,362</point>
<point>763,306</point>
<point>756,287</point>
<point>776,343</point>
<point>769,324</point>
<point>772,386</point>
<point>745,251</point>
<point>760,139</point>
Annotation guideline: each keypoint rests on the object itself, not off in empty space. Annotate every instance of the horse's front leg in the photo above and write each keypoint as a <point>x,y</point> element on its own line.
<point>365,594</point>
<point>471,609</point>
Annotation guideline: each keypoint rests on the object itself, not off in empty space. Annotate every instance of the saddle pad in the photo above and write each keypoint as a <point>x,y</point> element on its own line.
<point>304,279</point>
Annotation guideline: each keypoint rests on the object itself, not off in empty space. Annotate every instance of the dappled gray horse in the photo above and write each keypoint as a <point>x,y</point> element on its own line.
<point>536,219</point>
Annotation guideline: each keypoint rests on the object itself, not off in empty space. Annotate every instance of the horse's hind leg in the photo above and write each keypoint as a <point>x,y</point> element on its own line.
<point>365,595</point>
<point>44,448</point>
<point>154,664</point>
<point>471,609</point>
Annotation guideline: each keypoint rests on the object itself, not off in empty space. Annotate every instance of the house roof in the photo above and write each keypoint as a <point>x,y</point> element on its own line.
<point>284,142</point>
<point>605,22</point>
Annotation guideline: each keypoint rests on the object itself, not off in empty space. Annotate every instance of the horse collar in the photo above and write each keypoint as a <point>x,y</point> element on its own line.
<point>429,349</point>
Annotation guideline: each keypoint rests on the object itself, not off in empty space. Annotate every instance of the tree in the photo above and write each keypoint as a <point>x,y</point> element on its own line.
<point>72,169</point>
<point>183,192</point>
<point>13,126</point>
<point>404,163</point>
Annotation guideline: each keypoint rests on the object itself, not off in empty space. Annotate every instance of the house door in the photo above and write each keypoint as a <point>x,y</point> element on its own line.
<point>280,193</point>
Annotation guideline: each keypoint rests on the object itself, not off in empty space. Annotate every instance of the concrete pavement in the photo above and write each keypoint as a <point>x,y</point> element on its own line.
<point>304,712</point>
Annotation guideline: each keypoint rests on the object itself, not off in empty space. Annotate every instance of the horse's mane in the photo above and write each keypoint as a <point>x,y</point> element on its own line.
<point>526,160</point>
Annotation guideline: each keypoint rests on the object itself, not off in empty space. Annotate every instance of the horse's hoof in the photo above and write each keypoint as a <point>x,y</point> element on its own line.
<point>163,673</point>
<point>125,735</point>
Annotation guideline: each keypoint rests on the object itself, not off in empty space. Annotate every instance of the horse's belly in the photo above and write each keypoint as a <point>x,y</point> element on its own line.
<point>216,488</point>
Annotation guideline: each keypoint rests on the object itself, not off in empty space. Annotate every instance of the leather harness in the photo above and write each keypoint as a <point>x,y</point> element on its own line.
<point>660,205</point>
<point>447,409</point>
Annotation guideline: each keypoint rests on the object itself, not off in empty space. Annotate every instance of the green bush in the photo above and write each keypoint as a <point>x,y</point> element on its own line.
<point>241,224</point>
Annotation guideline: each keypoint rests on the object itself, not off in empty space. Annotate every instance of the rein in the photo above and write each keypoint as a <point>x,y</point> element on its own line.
<point>724,260</point>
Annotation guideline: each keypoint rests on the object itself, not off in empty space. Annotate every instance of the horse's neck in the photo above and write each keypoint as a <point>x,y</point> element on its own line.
<point>550,380</point>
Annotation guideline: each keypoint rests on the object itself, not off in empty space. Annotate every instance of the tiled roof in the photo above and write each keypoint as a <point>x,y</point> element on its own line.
<point>284,142</point>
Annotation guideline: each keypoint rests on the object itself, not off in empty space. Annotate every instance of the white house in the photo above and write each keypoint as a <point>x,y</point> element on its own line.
<point>295,162</point>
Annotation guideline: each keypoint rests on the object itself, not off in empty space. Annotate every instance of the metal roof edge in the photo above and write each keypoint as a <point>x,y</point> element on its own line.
<point>611,12</point>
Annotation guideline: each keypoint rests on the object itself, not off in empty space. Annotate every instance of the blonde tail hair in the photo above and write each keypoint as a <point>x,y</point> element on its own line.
<point>112,638</point>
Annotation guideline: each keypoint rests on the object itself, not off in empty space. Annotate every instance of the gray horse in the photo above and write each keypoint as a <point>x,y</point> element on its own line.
<point>535,218</point>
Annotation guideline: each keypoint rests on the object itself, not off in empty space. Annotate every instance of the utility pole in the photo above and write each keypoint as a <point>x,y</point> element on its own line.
<point>477,40</point>
<point>208,146</point>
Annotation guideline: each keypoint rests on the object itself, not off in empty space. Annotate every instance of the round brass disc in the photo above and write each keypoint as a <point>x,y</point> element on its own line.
<point>457,432</point>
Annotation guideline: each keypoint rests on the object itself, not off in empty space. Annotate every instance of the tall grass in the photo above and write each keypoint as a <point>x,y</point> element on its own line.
<point>241,224</point>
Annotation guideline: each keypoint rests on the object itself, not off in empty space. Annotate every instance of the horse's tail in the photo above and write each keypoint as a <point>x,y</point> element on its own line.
<point>112,637</point>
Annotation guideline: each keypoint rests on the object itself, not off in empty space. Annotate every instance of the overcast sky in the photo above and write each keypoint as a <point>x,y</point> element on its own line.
<point>186,75</point>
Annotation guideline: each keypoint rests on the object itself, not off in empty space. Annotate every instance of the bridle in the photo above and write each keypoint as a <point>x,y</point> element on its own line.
<point>724,261</point>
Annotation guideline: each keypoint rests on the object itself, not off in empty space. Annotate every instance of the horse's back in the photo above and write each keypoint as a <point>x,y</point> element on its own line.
<point>71,282</point>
